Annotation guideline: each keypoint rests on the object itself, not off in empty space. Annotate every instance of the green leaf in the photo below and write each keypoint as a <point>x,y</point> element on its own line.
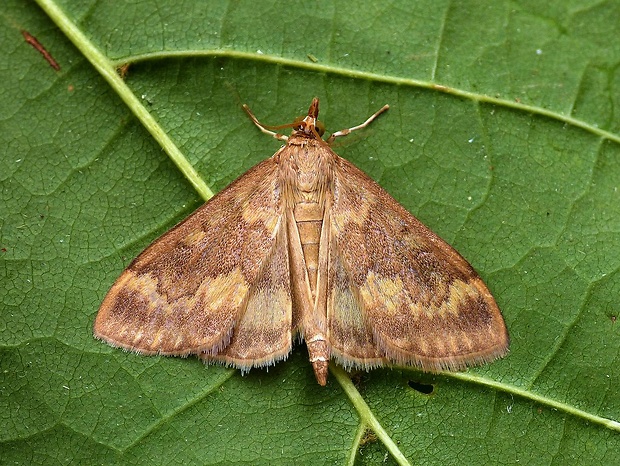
<point>502,137</point>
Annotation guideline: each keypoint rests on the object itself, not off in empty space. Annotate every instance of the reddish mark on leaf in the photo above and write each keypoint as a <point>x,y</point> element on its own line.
<point>123,70</point>
<point>32,40</point>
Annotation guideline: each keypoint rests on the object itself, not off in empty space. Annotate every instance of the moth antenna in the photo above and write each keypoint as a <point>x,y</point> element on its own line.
<point>344,132</point>
<point>263,128</point>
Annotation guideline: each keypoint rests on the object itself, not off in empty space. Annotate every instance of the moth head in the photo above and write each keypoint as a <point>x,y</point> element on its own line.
<point>310,125</point>
<point>306,127</point>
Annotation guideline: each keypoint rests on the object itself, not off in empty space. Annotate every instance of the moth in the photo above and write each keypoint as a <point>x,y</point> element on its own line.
<point>304,245</point>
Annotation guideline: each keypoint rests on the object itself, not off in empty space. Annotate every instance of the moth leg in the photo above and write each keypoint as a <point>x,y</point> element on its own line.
<point>263,128</point>
<point>344,132</point>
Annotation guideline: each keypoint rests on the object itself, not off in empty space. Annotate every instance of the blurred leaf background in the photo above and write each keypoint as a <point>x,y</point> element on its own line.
<point>502,136</point>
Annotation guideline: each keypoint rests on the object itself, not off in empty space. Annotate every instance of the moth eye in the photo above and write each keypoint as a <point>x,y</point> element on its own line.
<point>297,122</point>
<point>320,127</point>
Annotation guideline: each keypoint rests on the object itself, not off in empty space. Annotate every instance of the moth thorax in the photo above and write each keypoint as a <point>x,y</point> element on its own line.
<point>313,168</point>
<point>309,221</point>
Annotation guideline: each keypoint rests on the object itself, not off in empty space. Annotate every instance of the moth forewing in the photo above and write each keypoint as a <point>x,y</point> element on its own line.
<point>425,305</point>
<point>305,243</point>
<point>185,293</point>
<point>263,331</point>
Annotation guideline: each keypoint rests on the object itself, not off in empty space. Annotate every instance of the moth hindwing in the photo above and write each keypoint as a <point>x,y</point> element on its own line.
<point>304,244</point>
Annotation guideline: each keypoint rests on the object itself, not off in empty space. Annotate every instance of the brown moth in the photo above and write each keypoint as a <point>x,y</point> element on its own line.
<point>304,244</point>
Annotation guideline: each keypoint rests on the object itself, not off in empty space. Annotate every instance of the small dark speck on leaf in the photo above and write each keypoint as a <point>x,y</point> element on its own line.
<point>424,388</point>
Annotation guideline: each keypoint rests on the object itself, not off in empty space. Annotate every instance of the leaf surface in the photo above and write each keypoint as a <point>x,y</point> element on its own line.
<point>502,137</point>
